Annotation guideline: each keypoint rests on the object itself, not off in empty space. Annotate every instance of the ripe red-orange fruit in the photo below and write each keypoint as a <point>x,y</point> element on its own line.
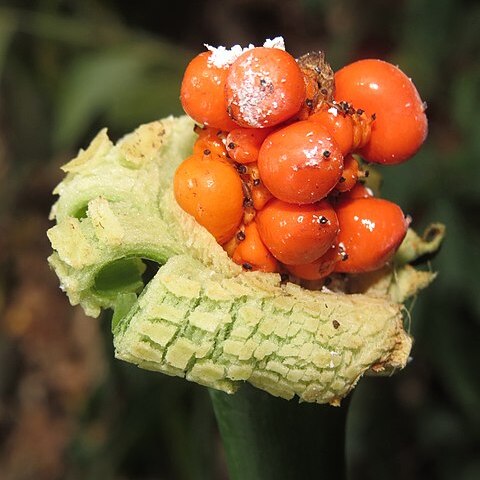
<point>297,234</point>
<point>350,174</point>
<point>244,143</point>
<point>264,87</point>
<point>209,188</point>
<point>371,230</point>
<point>338,124</point>
<point>382,89</point>
<point>300,163</point>
<point>202,93</point>
<point>210,140</point>
<point>252,253</point>
<point>318,269</point>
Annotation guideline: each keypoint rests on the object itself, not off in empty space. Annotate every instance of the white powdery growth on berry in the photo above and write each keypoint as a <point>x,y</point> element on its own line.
<point>276,42</point>
<point>223,57</point>
<point>312,156</point>
<point>249,98</point>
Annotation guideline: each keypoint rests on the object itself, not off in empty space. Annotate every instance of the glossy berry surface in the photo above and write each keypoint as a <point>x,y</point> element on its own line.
<point>371,230</point>
<point>383,90</point>
<point>297,234</point>
<point>260,196</point>
<point>318,269</point>
<point>202,93</point>
<point>209,188</point>
<point>243,144</point>
<point>252,254</point>
<point>338,124</point>
<point>300,163</point>
<point>275,174</point>
<point>210,141</point>
<point>264,87</point>
<point>349,176</point>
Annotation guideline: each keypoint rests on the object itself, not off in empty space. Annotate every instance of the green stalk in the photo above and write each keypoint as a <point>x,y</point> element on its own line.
<point>268,438</point>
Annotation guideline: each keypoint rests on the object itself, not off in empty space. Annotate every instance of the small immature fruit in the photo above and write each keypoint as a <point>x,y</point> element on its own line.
<point>300,163</point>
<point>202,93</point>
<point>319,268</point>
<point>208,188</point>
<point>371,230</point>
<point>338,124</point>
<point>264,87</point>
<point>297,234</point>
<point>260,197</point>
<point>383,90</point>
<point>244,143</point>
<point>210,141</point>
<point>349,176</point>
<point>252,253</point>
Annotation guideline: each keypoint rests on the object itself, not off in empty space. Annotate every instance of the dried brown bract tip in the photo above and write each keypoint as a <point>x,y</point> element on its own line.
<point>319,79</point>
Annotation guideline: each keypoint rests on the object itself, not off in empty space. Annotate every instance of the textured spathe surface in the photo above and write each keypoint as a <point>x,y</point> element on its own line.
<point>201,317</point>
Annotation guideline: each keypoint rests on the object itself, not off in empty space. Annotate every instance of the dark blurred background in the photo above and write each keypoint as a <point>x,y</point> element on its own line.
<point>69,67</point>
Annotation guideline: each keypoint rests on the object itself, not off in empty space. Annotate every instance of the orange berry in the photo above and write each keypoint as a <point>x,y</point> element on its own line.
<point>297,234</point>
<point>244,143</point>
<point>202,93</point>
<point>371,230</point>
<point>380,88</point>
<point>349,176</point>
<point>318,269</point>
<point>300,163</point>
<point>252,253</point>
<point>338,124</point>
<point>264,87</point>
<point>209,188</point>
<point>210,141</point>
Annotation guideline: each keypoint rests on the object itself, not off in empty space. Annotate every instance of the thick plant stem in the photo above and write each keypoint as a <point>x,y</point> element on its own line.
<point>267,438</point>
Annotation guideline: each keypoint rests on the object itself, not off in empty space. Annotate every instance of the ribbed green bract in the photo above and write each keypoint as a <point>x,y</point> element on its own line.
<point>201,316</point>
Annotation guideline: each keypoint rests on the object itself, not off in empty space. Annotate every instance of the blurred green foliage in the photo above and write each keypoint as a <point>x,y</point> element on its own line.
<point>68,68</point>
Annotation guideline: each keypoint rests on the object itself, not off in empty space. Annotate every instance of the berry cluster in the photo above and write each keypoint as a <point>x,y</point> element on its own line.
<point>273,174</point>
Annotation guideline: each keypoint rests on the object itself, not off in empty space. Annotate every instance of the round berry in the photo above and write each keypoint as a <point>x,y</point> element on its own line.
<point>338,124</point>
<point>297,234</point>
<point>210,141</point>
<point>209,188</point>
<point>300,163</point>
<point>244,143</point>
<point>202,93</point>
<point>358,191</point>
<point>252,253</point>
<point>349,176</point>
<point>264,87</point>
<point>318,269</point>
<point>371,230</point>
<point>383,90</point>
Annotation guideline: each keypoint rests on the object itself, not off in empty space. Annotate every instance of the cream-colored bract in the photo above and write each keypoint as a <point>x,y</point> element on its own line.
<point>201,316</point>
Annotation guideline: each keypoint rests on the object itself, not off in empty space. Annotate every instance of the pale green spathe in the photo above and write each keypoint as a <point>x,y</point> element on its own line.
<point>202,317</point>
